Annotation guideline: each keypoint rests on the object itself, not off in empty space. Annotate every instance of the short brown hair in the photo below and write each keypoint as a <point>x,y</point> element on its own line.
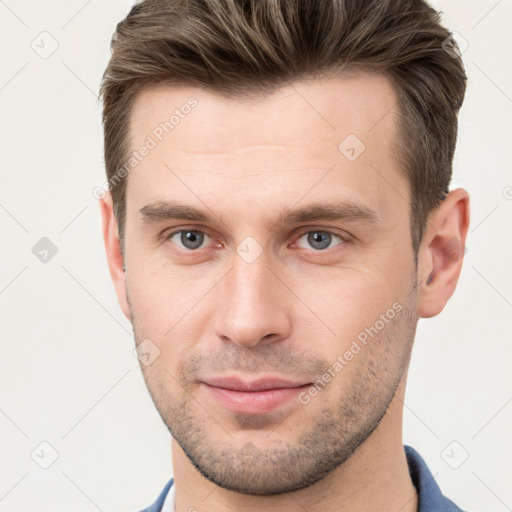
<point>252,47</point>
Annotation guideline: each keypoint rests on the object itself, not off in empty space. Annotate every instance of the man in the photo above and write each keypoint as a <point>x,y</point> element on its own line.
<point>278,219</point>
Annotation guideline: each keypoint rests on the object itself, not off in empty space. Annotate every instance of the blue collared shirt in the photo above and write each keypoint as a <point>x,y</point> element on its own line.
<point>430,498</point>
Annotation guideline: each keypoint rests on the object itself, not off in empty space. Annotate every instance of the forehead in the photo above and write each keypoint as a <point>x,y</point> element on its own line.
<point>325,138</point>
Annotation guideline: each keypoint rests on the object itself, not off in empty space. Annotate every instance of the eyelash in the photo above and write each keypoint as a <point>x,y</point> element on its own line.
<point>344,239</point>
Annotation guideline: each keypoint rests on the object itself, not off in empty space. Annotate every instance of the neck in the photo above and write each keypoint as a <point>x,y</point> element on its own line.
<point>375,477</point>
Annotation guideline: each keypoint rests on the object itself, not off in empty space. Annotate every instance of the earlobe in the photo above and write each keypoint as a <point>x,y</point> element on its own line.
<point>441,252</point>
<point>113,251</point>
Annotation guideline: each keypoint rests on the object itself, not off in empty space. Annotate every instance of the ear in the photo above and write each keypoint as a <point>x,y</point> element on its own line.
<point>113,249</point>
<point>441,252</point>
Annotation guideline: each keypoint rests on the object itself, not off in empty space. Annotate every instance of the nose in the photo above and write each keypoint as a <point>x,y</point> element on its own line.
<point>254,307</point>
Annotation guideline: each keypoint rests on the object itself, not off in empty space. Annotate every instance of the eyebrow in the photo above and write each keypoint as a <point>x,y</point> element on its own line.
<point>350,210</point>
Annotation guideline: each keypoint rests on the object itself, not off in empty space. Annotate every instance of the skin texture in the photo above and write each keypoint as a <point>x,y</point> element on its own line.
<point>296,307</point>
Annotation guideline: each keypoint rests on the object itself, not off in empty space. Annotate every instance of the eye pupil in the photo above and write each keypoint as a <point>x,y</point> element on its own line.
<point>319,239</point>
<point>192,239</point>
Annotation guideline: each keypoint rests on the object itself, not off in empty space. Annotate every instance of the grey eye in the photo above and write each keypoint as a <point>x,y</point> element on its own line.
<point>319,240</point>
<point>189,239</point>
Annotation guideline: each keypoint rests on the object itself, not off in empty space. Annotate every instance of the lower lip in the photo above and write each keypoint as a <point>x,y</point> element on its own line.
<point>254,402</point>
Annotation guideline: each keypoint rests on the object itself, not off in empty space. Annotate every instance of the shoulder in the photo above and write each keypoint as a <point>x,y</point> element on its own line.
<point>157,505</point>
<point>430,497</point>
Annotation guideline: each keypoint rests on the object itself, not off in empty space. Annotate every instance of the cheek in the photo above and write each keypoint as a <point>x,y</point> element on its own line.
<point>348,300</point>
<point>165,301</point>
<point>175,316</point>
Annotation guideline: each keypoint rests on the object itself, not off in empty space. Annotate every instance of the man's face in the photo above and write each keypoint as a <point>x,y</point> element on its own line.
<point>251,292</point>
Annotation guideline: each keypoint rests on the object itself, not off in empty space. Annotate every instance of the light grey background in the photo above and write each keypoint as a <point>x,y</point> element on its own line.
<point>68,376</point>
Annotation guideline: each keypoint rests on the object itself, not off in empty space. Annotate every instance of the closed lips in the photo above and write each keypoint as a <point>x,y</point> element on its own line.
<point>254,386</point>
